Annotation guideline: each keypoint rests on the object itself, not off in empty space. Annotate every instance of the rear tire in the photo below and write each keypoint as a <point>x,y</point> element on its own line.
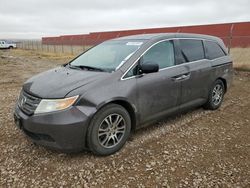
<point>109,130</point>
<point>216,95</point>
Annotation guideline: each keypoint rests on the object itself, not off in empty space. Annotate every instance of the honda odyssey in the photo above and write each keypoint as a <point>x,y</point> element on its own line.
<point>96,100</point>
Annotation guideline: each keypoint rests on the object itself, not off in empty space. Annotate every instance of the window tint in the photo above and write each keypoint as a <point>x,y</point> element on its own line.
<point>213,50</point>
<point>192,50</point>
<point>161,53</point>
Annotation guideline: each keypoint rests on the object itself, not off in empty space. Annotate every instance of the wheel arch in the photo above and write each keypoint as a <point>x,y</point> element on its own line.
<point>128,106</point>
<point>224,82</point>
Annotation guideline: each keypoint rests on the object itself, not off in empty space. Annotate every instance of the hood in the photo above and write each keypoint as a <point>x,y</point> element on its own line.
<point>58,82</point>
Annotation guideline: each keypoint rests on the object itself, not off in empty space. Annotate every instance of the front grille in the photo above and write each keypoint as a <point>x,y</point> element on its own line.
<point>28,103</point>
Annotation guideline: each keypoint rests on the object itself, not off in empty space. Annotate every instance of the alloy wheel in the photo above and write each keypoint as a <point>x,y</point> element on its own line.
<point>111,130</point>
<point>217,94</point>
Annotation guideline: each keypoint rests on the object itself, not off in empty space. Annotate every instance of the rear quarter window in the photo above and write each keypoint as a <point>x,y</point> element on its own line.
<point>213,50</point>
<point>191,50</point>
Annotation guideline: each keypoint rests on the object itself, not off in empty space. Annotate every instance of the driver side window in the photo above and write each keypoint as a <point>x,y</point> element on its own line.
<point>161,53</point>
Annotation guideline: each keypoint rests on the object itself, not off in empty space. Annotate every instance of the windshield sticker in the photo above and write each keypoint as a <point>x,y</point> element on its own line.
<point>134,43</point>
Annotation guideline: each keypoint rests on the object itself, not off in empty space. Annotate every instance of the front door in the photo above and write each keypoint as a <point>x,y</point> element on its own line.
<point>159,93</point>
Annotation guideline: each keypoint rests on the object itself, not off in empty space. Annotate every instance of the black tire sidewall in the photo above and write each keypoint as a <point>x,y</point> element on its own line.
<point>92,136</point>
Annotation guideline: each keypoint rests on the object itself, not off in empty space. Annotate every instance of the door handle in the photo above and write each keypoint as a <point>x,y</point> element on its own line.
<point>178,78</point>
<point>186,76</point>
<point>181,77</point>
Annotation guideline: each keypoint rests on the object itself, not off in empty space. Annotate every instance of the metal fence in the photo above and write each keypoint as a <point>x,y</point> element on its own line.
<point>233,34</point>
<point>59,49</point>
<point>230,42</point>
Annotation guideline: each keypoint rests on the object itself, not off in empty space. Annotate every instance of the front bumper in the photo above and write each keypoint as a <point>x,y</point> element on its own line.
<point>63,130</point>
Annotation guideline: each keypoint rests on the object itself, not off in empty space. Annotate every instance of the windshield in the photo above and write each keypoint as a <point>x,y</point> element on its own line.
<point>107,56</point>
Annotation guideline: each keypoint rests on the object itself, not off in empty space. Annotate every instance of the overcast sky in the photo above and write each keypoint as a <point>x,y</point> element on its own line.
<point>37,18</point>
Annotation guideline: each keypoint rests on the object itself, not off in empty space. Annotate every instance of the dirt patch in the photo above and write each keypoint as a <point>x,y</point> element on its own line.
<point>196,149</point>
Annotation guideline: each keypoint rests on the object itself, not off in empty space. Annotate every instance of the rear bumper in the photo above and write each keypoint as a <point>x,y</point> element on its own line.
<point>64,130</point>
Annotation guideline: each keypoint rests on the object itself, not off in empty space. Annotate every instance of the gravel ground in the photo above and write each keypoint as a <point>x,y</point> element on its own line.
<point>196,149</point>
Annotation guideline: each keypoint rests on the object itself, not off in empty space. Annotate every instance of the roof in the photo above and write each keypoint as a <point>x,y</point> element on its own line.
<point>165,35</point>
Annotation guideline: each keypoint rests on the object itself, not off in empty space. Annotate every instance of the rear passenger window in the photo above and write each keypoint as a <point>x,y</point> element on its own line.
<point>192,50</point>
<point>213,50</point>
<point>161,53</point>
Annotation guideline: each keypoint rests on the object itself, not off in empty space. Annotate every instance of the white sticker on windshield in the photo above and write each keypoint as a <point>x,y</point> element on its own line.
<point>134,43</point>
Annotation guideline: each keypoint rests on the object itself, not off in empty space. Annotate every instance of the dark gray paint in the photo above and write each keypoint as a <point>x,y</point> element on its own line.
<point>147,97</point>
<point>56,83</point>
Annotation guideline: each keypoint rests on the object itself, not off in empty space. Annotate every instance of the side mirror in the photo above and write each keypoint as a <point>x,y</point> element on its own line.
<point>149,67</point>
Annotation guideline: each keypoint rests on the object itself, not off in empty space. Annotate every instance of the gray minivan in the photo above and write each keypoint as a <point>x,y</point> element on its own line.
<point>96,100</point>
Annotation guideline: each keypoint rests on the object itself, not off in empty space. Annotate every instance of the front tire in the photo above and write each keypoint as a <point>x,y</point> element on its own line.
<point>109,130</point>
<point>216,95</point>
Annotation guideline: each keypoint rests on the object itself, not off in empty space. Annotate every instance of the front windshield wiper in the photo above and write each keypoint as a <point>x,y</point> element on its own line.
<point>83,67</point>
<point>72,66</point>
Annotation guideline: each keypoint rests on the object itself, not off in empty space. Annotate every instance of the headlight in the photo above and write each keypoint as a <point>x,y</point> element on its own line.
<point>50,105</point>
